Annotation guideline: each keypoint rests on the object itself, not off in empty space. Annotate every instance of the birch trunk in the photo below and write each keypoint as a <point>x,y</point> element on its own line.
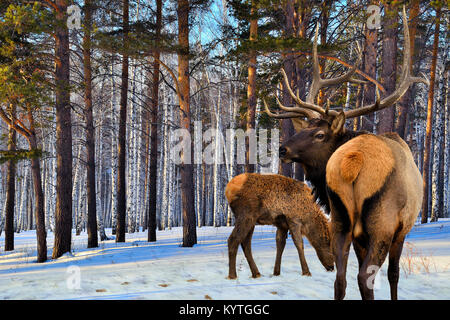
<point>114,139</point>
<point>427,151</point>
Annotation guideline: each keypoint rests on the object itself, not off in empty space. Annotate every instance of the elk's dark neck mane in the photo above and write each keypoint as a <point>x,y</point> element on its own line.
<point>317,174</point>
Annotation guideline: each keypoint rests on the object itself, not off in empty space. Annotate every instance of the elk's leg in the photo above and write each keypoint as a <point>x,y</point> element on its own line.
<point>394,270</point>
<point>247,248</point>
<point>378,249</point>
<point>360,247</point>
<point>296,232</point>
<point>281,243</point>
<point>237,236</point>
<point>341,246</point>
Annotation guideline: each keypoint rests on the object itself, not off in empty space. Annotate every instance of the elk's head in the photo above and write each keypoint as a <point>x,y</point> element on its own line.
<point>315,142</point>
<point>321,130</point>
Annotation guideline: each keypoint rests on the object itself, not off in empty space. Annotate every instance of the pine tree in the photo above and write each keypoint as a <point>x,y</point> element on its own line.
<point>26,95</point>
<point>63,210</point>
<point>90,130</point>
<point>389,63</point>
<point>405,102</point>
<point>154,128</point>
<point>187,183</point>
<point>121,166</point>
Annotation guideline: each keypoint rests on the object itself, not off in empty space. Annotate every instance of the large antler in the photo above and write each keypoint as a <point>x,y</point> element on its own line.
<point>406,79</point>
<point>310,110</point>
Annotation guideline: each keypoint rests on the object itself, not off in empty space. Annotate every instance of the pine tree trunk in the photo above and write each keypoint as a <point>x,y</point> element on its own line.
<point>405,101</point>
<point>90,131</point>
<point>187,185</point>
<point>370,63</point>
<point>121,166</point>
<point>154,129</point>
<point>287,129</point>
<point>325,14</point>
<point>10,189</point>
<point>427,151</point>
<point>39,202</point>
<point>63,210</point>
<point>251,87</point>
<point>389,65</point>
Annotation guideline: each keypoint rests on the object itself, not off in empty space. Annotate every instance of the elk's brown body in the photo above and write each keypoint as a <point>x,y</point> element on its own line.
<point>369,183</point>
<point>280,201</point>
<point>375,208</point>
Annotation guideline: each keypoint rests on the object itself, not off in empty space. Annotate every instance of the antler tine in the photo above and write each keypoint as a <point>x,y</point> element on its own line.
<point>318,83</point>
<point>305,112</point>
<point>315,83</point>
<point>286,115</point>
<point>405,80</point>
<point>317,110</point>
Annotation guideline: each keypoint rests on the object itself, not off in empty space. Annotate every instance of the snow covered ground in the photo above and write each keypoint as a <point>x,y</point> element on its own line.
<point>164,270</point>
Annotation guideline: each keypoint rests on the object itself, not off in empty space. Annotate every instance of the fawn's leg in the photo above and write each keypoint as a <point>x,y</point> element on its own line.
<point>281,243</point>
<point>241,229</point>
<point>247,248</point>
<point>296,232</point>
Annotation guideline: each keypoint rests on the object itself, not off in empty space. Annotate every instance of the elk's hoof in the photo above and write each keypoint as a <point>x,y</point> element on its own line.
<point>231,277</point>
<point>258,275</point>
<point>276,273</point>
<point>307,273</point>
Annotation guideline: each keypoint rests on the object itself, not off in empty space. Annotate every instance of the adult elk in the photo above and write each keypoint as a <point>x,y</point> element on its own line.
<point>369,183</point>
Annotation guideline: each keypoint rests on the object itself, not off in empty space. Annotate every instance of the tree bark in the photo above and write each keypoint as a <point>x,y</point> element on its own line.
<point>251,87</point>
<point>389,63</point>
<point>426,159</point>
<point>63,210</point>
<point>10,189</point>
<point>301,21</point>
<point>121,149</point>
<point>370,62</point>
<point>90,131</point>
<point>39,201</point>
<point>154,128</point>
<point>323,40</point>
<point>186,169</point>
<point>287,128</point>
<point>405,101</point>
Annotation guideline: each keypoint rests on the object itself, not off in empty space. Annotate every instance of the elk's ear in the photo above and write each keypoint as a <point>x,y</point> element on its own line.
<point>299,124</point>
<point>337,125</point>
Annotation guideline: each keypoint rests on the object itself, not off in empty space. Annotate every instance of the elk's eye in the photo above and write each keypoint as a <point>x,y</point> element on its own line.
<point>320,136</point>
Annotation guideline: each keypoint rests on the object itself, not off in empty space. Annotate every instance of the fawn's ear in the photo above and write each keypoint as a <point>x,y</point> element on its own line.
<point>299,124</point>
<point>337,125</point>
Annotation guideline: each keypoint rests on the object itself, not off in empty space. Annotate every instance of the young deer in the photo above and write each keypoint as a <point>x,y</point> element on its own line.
<point>276,200</point>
